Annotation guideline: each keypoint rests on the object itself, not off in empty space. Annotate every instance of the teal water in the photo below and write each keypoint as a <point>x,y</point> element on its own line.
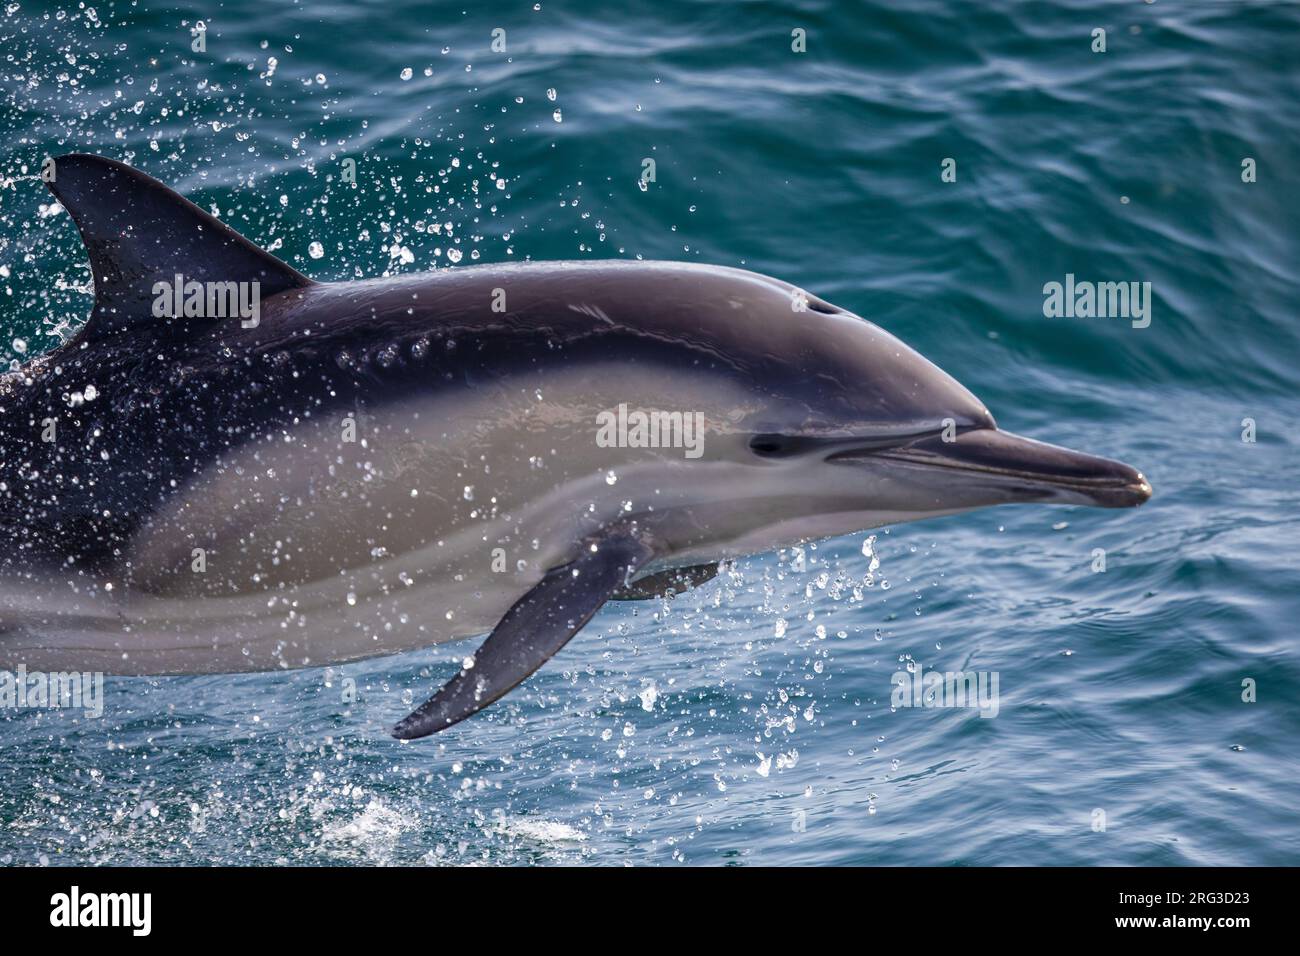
<point>735,725</point>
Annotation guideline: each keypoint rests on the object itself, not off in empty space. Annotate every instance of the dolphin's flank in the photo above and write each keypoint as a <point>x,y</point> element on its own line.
<point>233,467</point>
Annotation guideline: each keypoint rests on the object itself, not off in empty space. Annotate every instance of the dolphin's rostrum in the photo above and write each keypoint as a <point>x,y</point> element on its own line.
<point>376,466</point>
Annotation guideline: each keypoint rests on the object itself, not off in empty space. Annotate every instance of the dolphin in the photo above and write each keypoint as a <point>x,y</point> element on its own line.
<point>360,468</point>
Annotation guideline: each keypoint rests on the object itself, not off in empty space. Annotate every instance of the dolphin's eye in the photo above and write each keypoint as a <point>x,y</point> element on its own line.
<point>772,446</point>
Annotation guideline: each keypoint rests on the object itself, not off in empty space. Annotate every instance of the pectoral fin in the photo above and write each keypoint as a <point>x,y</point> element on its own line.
<point>538,625</point>
<point>672,581</point>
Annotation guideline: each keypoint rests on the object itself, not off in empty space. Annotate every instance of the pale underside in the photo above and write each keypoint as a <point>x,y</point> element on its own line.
<point>440,515</point>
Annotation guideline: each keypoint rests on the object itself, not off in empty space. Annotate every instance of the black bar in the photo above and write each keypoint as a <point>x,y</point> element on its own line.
<point>333,905</point>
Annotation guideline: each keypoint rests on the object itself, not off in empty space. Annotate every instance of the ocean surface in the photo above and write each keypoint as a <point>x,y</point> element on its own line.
<point>1147,713</point>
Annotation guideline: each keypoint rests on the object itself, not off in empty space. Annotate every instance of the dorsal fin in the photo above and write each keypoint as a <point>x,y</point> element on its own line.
<point>138,232</point>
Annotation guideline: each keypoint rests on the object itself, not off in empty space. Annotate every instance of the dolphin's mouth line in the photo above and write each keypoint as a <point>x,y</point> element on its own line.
<point>925,459</point>
<point>996,454</point>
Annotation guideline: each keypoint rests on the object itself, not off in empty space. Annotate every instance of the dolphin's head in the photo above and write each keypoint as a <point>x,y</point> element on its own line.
<point>849,428</point>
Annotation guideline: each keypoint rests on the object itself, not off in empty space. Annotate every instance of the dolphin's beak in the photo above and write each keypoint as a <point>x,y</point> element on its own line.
<point>1011,468</point>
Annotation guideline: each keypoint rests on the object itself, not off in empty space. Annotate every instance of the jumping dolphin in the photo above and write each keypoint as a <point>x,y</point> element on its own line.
<point>360,468</point>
